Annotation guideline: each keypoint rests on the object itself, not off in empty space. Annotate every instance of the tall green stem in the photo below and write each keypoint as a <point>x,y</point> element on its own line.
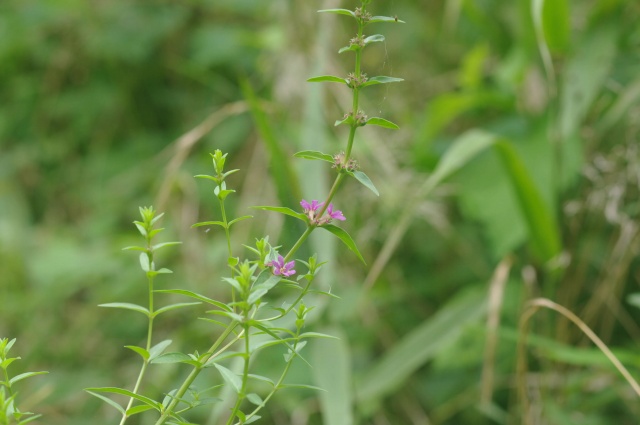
<point>245,377</point>
<point>145,362</point>
<point>194,374</point>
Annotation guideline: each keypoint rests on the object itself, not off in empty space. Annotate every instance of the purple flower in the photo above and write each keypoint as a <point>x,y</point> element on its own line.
<point>282,269</point>
<point>311,207</point>
<point>336,215</point>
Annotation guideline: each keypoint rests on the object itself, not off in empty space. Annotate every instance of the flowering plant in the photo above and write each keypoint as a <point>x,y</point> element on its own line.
<point>247,326</point>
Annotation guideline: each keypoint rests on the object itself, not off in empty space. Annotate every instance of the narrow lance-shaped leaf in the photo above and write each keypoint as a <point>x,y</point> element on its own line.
<point>235,220</point>
<point>543,228</point>
<point>381,122</point>
<point>108,401</point>
<point>172,307</point>
<point>381,79</point>
<point>209,223</point>
<point>339,12</point>
<point>164,244</point>
<point>283,210</point>
<point>143,353</point>
<point>327,78</point>
<point>262,285</point>
<point>230,378</point>
<point>314,155</point>
<point>376,38</point>
<point>138,409</point>
<point>364,179</point>
<point>25,376</point>
<point>347,120</point>
<point>394,19</point>
<point>345,238</point>
<point>196,296</point>
<point>127,306</point>
<point>116,390</point>
<point>351,47</point>
<point>144,262</point>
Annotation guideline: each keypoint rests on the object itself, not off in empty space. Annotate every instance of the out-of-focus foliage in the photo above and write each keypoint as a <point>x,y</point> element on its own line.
<point>105,106</point>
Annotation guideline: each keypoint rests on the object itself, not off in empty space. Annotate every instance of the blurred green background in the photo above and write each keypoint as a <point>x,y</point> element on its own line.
<point>106,106</point>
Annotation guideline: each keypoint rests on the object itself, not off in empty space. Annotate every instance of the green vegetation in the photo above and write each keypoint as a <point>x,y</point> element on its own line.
<point>514,175</point>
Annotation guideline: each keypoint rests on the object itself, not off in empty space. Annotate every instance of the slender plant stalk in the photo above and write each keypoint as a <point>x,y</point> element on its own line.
<point>194,374</point>
<point>245,377</point>
<point>532,307</point>
<point>145,362</point>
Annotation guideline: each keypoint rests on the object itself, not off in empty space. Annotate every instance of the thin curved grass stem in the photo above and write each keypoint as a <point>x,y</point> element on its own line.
<point>531,308</point>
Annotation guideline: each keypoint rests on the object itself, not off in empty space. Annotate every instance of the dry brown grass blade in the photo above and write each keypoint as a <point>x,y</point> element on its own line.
<point>530,309</point>
<point>496,293</point>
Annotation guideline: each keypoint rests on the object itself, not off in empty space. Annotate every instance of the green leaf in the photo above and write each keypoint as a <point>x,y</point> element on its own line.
<point>115,390</point>
<point>172,307</point>
<point>205,176</point>
<point>25,375</point>
<point>127,306</point>
<point>556,24</point>
<point>168,358</point>
<point>263,284</point>
<point>138,409</point>
<point>196,296</point>
<point>235,220</point>
<point>543,228</point>
<point>262,378</point>
<point>634,299</point>
<point>108,401</point>
<point>164,244</point>
<point>339,12</point>
<point>134,248</point>
<point>327,78</point>
<point>144,262</point>
<point>254,398</point>
<point>376,38</point>
<point>375,19</point>
<point>364,179</point>
<point>381,122</point>
<point>144,353</point>
<point>316,335</point>
<point>348,120</point>
<point>252,419</point>
<point>283,210</point>
<point>465,147</point>
<point>345,238</point>
<point>209,223</point>
<point>314,155</point>
<point>420,345</point>
<point>32,418</point>
<point>301,386</point>
<point>233,282</point>
<point>141,228</point>
<point>230,378</point>
<point>351,47</point>
<point>381,80</point>
<point>272,332</point>
<point>157,349</point>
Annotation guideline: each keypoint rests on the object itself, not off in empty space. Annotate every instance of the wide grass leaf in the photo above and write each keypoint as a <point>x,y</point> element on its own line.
<point>421,345</point>
<point>544,234</point>
<point>332,373</point>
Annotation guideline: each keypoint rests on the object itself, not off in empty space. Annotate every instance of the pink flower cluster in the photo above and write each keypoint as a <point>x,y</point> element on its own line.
<point>311,210</point>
